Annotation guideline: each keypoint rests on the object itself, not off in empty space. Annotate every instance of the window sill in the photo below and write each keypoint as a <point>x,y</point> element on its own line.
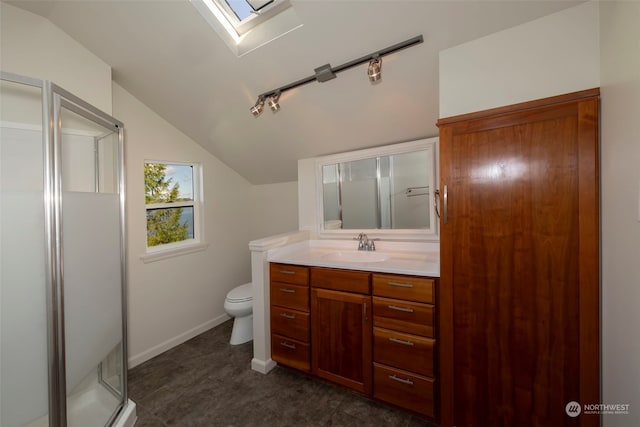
<point>173,252</point>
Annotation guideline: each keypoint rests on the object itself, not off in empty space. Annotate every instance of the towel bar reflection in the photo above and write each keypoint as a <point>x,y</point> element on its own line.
<point>417,191</point>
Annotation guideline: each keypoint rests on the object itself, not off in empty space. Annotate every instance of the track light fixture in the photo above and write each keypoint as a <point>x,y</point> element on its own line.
<point>256,110</point>
<point>375,69</point>
<point>326,72</point>
<point>274,102</point>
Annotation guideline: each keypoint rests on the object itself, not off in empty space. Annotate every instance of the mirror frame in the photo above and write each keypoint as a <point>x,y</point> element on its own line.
<point>430,234</point>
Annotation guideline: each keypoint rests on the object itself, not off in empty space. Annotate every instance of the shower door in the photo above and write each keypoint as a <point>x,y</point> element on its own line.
<point>88,159</point>
<point>62,259</point>
<point>24,395</point>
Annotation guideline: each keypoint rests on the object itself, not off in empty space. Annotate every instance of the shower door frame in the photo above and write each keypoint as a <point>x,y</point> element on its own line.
<point>53,99</point>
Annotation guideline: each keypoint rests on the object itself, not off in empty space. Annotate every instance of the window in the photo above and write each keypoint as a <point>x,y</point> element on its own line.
<point>244,8</point>
<point>243,15</point>
<point>172,203</point>
<point>246,25</point>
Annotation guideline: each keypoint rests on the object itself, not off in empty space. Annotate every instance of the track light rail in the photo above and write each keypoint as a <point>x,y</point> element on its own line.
<point>326,72</point>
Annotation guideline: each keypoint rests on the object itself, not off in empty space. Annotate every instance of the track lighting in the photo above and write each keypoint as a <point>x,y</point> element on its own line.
<point>326,72</point>
<point>256,110</point>
<point>375,69</point>
<point>273,102</point>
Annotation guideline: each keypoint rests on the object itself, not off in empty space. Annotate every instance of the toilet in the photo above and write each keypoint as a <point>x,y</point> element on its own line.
<point>239,304</point>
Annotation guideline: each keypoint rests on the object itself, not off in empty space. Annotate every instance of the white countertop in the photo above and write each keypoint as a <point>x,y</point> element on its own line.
<point>413,258</point>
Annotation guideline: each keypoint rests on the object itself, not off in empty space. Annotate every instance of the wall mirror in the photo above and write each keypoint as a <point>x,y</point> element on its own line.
<point>384,191</point>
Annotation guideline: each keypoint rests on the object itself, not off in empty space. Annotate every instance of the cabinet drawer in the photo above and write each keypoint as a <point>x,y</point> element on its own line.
<point>290,296</point>
<point>404,287</point>
<point>404,351</point>
<point>290,352</point>
<point>287,273</point>
<point>290,323</point>
<point>341,280</point>
<point>405,389</point>
<point>404,316</point>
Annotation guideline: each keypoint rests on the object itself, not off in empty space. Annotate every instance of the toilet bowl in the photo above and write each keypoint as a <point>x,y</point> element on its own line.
<point>239,304</point>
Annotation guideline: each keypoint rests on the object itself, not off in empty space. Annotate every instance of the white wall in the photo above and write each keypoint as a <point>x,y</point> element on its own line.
<point>274,209</point>
<point>550,56</point>
<point>31,45</point>
<point>307,203</point>
<point>175,299</point>
<point>620,156</point>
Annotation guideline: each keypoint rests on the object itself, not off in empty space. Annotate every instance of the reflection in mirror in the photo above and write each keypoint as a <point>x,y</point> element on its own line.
<point>385,191</point>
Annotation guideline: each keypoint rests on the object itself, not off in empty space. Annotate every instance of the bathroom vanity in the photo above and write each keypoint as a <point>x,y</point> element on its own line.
<point>363,320</point>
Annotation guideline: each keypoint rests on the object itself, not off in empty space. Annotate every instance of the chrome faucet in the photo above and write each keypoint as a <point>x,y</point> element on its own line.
<point>364,243</point>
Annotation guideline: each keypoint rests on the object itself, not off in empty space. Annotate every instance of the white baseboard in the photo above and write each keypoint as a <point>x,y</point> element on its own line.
<point>263,366</point>
<point>177,340</point>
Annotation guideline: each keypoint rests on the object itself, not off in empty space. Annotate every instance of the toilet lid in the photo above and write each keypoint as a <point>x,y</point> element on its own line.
<point>241,293</point>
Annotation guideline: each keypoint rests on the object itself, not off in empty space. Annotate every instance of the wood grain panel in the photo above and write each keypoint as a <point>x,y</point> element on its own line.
<point>290,323</point>
<point>341,338</point>
<point>403,287</point>
<point>290,352</point>
<point>589,226</point>
<point>287,273</point>
<point>291,296</point>
<point>404,351</point>
<point>520,241</point>
<point>405,389</point>
<point>404,316</point>
<point>341,280</point>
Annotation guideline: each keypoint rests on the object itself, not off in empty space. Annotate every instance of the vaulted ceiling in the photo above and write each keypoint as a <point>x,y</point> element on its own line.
<point>165,54</point>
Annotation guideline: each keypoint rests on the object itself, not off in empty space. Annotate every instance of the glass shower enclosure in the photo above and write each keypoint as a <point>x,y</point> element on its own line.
<point>62,259</point>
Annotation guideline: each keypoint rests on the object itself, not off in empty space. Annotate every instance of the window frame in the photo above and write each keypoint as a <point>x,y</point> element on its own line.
<point>195,244</point>
<point>242,27</point>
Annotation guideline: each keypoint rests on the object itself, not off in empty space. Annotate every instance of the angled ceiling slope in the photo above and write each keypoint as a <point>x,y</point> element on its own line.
<point>166,55</point>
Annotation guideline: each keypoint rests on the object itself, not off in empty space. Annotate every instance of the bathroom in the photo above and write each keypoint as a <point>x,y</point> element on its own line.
<point>175,299</point>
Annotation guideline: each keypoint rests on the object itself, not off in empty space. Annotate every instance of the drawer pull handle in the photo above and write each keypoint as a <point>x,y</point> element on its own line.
<point>286,344</point>
<point>401,380</point>
<point>403,342</point>
<point>288,316</point>
<point>287,272</point>
<point>405,309</point>
<point>400,285</point>
<point>289,291</point>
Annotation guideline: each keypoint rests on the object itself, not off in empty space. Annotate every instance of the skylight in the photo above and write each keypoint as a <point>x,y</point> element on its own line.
<point>244,8</point>
<point>244,15</point>
<point>241,9</point>
<point>245,25</point>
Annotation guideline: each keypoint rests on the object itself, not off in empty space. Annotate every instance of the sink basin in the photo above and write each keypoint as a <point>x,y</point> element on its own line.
<point>357,256</point>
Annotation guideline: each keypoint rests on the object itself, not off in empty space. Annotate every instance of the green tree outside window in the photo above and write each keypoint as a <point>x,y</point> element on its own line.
<point>163,223</point>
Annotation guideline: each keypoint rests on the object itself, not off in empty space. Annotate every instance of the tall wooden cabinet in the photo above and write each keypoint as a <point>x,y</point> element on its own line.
<point>519,287</point>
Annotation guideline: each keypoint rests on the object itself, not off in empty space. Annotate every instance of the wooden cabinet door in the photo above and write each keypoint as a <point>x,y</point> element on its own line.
<point>341,338</point>
<point>519,310</point>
